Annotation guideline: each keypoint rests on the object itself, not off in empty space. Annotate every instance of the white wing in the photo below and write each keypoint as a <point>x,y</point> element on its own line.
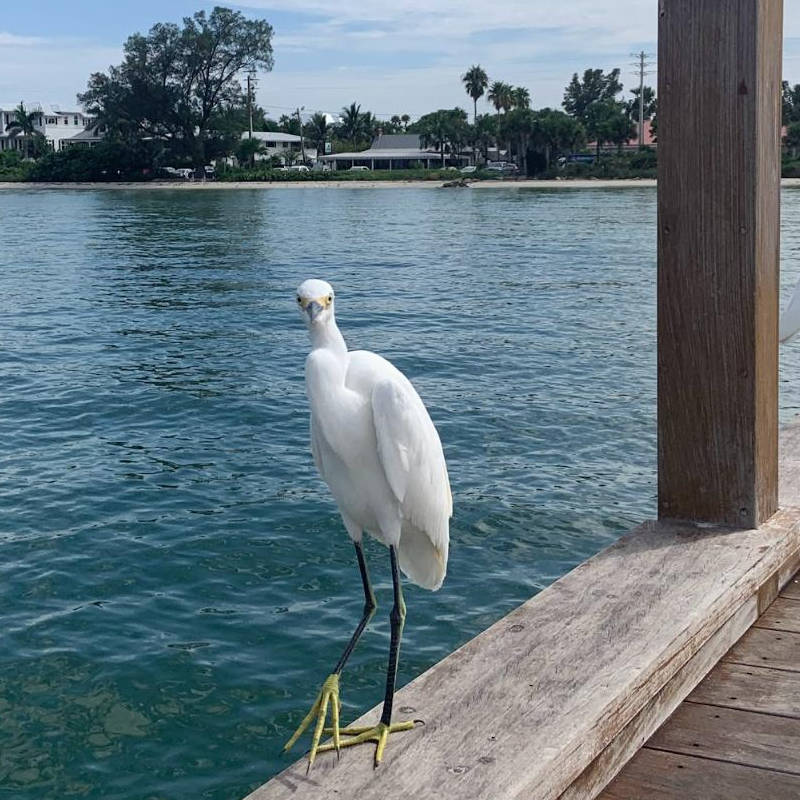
<point>411,455</point>
<point>790,318</point>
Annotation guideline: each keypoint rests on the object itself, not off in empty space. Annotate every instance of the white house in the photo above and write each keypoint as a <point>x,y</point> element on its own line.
<point>56,124</point>
<point>276,144</point>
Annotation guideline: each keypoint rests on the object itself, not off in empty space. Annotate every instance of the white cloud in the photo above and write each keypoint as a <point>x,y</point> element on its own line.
<point>12,40</point>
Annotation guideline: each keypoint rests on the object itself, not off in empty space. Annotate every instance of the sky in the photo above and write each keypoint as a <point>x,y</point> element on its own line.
<point>392,57</point>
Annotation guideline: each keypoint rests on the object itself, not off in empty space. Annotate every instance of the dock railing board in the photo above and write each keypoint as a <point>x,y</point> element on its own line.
<point>551,701</point>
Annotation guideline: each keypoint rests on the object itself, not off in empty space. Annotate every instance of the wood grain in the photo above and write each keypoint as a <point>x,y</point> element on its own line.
<point>767,648</point>
<point>724,734</point>
<point>782,615</point>
<point>718,234</point>
<point>792,589</point>
<point>656,775</point>
<point>525,707</point>
<point>768,691</point>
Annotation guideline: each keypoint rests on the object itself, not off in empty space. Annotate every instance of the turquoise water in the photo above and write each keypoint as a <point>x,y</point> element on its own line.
<point>175,579</point>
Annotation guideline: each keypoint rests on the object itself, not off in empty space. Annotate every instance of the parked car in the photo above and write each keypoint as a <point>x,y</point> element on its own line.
<point>503,167</point>
<point>468,170</point>
<point>299,168</point>
<point>358,169</point>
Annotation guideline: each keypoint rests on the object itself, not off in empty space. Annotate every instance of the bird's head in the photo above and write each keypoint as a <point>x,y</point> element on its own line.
<point>315,301</point>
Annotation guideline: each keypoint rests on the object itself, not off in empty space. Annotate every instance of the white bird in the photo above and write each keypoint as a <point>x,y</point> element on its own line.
<point>790,318</point>
<point>377,449</point>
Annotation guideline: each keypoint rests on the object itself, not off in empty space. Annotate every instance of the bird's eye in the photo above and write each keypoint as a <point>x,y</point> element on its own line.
<point>298,299</point>
<point>330,298</point>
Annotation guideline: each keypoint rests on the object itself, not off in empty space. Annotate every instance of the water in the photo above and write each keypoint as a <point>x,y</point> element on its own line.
<point>175,580</point>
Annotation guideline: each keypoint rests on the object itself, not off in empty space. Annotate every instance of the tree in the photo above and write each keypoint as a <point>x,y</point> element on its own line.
<point>520,97</point>
<point>247,149</point>
<point>484,134</point>
<point>594,88</point>
<point>792,138</point>
<point>554,133</point>
<point>516,127</point>
<point>650,104</point>
<point>405,119</point>
<point>173,81</point>
<point>24,124</point>
<point>318,132</point>
<point>607,121</point>
<point>790,102</point>
<point>442,128</point>
<point>475,82</point>
<point>351,123</point>
<point>500,96</point>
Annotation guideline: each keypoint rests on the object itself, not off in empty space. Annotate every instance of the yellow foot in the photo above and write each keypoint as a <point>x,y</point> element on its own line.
<point>328,694</point>
<point>378,734</point>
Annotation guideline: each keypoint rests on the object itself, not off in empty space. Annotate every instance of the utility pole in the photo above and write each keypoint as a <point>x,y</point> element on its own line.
<point>302,145</point>
<point>641,65</point>
<point>250,88</point>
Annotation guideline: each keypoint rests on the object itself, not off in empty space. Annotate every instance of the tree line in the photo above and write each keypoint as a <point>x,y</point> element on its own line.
<point>177,98</point>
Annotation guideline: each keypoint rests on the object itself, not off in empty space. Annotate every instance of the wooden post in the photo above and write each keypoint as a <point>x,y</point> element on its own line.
<point>719,118</point>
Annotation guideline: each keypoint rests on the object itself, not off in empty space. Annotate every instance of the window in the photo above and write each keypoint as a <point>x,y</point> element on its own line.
<point>75,119</point>
<point>52,121</point>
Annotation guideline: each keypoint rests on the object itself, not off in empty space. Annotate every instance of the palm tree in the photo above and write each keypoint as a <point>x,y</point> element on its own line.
<point>520,97</point>
<point>405,119</point>
<point>475,82</point>
<point>318,131</point>
<point>351,124</point>
<point>484,132</point>
<point>500,96</point>
<point>24,124</point>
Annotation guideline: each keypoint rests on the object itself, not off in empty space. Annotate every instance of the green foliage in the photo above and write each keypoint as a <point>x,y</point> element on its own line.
<point>792,138</point>
<point>639,164</point>
<point>247,150</point>
<point>12,167</point>
<point>595,87</point>
<point>443,128</point>
<point>475,81</point>
<point>262,173</point>
<point>649,104</point>
<point>790,102</point>
<point>501,96</point>
<point>110,160</point>
<point>24,125</point>
<point>607,121</point>
<point>173,81</point>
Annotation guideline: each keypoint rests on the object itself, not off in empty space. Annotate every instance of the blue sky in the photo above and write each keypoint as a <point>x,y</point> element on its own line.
<point>404,56</point>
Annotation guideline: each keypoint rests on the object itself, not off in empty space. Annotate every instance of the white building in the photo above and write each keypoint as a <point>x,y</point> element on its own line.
<point>56,124</point>
<point>277,144</point>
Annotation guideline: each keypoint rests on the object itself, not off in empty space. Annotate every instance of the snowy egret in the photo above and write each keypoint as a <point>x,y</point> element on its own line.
<point>377,449</point>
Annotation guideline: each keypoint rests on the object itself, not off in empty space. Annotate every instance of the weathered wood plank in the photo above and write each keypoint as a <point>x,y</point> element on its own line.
<point>769,691</point>
<point>766,648</point>
<point>523,708</point>
<point>656,775</point>
<point>792,589</point>
<point>724,734</point>
<point>625,745</point>
<point>782,615</point>
<point>718,236</point>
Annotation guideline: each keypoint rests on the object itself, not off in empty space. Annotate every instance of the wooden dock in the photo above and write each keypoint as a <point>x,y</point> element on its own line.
<point>737,735</point>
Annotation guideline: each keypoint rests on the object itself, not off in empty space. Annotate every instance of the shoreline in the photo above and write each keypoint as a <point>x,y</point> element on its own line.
<point>577,183</point>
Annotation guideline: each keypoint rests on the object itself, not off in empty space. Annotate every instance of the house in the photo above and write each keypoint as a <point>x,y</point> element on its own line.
<point>278,144</point>
<point>57,125</point>
<point>388,151</point>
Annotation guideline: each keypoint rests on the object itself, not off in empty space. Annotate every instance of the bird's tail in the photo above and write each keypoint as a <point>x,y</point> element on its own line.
<point>420,560</point>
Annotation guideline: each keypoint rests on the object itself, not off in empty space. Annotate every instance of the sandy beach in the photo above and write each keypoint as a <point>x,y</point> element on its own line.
<point>217,185</point>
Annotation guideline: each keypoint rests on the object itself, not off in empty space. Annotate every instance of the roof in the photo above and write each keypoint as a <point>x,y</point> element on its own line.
<point>86,135</point>
<point>397,141</point>
<point>271,136</point>
<point>385,153</point>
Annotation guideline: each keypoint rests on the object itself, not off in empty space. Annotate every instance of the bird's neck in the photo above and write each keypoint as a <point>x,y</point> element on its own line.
<point>329,337</point>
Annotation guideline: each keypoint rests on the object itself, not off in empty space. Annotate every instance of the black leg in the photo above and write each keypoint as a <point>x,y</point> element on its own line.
<point>397,619</point>
<point>369,610</point>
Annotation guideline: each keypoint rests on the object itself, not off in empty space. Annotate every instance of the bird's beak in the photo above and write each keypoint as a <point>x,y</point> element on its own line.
<point>313,309</point>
